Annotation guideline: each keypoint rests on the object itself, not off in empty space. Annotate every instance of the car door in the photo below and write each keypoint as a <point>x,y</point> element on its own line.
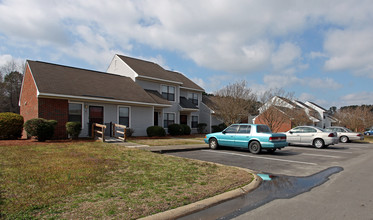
<point>293,136</point>
<point>228,135</point>
<point>243,136</point>
<point>307,135</point>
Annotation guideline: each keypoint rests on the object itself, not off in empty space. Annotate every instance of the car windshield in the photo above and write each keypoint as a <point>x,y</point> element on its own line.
<point>348,130</point>
<point>263,129</point>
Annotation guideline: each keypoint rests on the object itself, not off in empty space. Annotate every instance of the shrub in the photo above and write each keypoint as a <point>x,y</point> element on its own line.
<point>201,128</point>
<point>155,131</point>
<point>73,129</point>
<point>175,129</point>
<point>186,129</point>
<point>41,128</point>
<point>218,128</point>
<point>130,131</point>
<point>11,125</point>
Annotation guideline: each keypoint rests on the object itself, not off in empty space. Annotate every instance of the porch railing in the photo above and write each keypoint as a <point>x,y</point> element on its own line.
<point>100,133</point>
<point>123,136</point>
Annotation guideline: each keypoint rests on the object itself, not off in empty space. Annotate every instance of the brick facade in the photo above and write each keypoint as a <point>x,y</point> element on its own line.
<point>283,127</point>
<point>28,100</point>
<point>33,107</point>
<point>55,109</point>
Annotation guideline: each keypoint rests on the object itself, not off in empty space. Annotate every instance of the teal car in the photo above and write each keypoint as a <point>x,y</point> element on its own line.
<point>255,137</point>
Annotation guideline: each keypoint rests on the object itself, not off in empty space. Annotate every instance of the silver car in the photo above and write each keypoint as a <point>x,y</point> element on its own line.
<point>310,135</point>
<point>345,135</point>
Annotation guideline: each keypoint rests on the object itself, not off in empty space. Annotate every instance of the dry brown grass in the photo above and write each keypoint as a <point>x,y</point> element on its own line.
<point>96,180</point>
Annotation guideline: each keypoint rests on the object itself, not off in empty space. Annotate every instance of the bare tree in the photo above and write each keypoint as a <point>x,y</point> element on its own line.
<point>278,109</point>
<point>10,86</point>
<point>234,102</point>
<point>356,118</point>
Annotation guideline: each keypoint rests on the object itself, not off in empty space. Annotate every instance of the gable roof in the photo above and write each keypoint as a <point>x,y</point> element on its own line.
<point>147,69</point>
<point>64,81</point>
<point>186,82</point>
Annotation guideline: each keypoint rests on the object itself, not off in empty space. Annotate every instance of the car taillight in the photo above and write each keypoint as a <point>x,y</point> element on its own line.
<point>331,135</point>
<point>277,138</point>
<point>358,135</point>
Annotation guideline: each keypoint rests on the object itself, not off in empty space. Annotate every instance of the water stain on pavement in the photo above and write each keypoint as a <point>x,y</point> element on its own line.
<point>279,187</point>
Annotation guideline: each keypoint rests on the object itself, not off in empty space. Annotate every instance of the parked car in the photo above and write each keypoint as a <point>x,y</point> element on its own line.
<point>345,135</point>
<point>369,132</point>
<point>310,135</point>
<point>255,137</point>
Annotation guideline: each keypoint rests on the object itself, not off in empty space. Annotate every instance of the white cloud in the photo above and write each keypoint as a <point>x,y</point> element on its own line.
<point>357,99</point>
<point>350,50</point>
<point>319,83</point>
<point>286,54</point>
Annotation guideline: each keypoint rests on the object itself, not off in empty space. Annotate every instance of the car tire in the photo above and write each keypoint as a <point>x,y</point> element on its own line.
<point>254,147</point>
<point>318,143</point>
<point>344,139</point>
<point>213,143</point>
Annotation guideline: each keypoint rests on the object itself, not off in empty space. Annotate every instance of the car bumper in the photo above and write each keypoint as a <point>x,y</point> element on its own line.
<point>356,138</point>
<point>274,144</point>
<point>331,141</point>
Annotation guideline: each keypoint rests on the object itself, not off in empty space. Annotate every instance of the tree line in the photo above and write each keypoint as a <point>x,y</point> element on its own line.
<point>11,75</point>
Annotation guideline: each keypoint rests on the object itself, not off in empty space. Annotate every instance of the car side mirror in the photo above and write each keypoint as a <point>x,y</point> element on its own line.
<point>223,132</point>
<point>290,132</point>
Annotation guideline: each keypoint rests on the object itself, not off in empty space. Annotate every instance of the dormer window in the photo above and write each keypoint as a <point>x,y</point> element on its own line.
<point>193,97</point>
<point>168,92</point>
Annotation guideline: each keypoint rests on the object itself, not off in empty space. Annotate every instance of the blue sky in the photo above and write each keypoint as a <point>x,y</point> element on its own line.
<point>320,50</point>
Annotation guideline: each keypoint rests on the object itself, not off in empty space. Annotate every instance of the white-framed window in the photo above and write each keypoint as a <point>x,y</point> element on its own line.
<point>76,112</point>
<point>193,97</point>
<point>168,119</point>
<point>168,92</point>
<point>124,115</point>
<point>194,121</point>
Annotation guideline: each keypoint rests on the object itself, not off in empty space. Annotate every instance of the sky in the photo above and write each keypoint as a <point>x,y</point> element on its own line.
<point>320,50</point>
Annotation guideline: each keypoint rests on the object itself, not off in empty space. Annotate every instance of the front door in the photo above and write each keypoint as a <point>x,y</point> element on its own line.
<point>183,119</point>
<point>96,115</point>
<point>155,118</point>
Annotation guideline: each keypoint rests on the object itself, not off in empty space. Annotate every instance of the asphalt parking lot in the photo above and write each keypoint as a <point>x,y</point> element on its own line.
<point>292,160</point>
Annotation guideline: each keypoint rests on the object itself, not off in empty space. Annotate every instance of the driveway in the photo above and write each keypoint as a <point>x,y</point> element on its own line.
<point>292,160</point>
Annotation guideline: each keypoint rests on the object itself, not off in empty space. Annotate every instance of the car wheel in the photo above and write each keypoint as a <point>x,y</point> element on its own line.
<point>213,144</point>
<point>271,151</point>
<point>343,139</point>
<point>318,143</point>
<point>254,147</point>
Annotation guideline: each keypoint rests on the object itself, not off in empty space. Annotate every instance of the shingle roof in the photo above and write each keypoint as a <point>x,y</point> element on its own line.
<point>187,83</point>
<point>185,103</point>
<point>153,70</point>
<point>70,81</point>
<point>157,97</point>
<point>148,69</point>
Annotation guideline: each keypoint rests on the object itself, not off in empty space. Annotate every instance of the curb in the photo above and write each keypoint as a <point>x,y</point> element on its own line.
<point>206,203</point>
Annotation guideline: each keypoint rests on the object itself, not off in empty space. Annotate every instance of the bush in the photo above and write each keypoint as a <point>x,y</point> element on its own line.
<point>175,129</point>
<point>201,128</point>
<point>11,125</point>
<point>157,131</point>
<point>130,131</point>
<point>218,128</point>
<point>186,129</point>
<point>41,128</point>
<point>73,129</point>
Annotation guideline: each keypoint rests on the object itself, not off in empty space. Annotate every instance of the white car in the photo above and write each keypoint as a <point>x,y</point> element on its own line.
<point>310,135</point>
<point>345,135</point>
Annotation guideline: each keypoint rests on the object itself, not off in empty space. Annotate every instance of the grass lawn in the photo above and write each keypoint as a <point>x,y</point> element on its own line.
<point>368,138</point>
<point>168,141</point>
<point>97,180</point>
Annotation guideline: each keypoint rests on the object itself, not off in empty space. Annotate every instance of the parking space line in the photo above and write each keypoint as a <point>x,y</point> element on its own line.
<point>320,155</point>
<point>259,157</point>
<point>322,150</point>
